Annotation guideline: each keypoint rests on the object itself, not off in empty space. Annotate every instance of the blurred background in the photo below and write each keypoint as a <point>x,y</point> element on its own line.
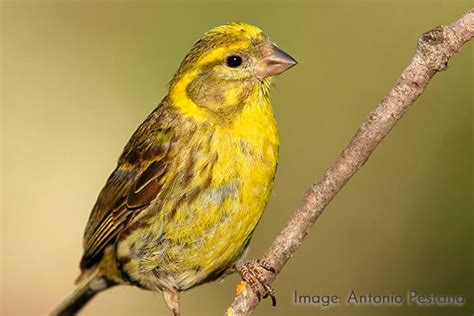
<point>77,79</point>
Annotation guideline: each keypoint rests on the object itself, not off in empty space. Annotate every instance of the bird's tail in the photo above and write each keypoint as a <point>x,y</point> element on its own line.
<point>87,287</point>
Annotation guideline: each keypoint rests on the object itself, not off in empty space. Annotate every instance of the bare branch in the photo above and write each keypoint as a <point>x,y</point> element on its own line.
<point>434,50</point>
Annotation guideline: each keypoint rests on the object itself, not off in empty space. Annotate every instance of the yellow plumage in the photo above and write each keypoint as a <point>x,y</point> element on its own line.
<point>193,181</point>
<point>246,154</point>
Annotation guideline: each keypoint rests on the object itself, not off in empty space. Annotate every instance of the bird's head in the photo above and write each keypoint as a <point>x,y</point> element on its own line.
<point>225,67</point>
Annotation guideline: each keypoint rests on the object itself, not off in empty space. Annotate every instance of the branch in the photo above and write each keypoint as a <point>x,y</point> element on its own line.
<point>434,50</point>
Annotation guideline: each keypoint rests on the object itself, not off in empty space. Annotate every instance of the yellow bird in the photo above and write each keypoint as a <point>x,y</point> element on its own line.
<point>192,182</point>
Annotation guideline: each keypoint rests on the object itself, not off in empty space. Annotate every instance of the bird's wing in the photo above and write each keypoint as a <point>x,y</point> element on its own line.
<point>132,185</point>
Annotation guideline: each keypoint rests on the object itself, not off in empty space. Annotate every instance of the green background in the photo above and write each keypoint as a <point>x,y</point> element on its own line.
<point>78,78</point>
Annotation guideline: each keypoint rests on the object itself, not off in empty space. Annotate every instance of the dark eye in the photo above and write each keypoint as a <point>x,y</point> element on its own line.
<point>233,61</point>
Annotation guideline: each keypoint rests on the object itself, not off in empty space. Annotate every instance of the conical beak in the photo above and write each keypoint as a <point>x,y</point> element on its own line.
<point>274,62</point>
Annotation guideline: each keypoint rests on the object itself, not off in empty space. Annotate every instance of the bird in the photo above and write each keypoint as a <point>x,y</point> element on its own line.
<point>191,184</point>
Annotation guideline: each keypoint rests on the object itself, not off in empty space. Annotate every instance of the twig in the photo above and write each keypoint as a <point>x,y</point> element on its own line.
<point>434,50</point>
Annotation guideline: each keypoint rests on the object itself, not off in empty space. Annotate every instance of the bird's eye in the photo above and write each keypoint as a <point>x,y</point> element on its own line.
<point>233,61</point>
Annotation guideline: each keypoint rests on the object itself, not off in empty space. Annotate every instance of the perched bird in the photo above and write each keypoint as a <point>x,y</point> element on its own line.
<point>192,182</point>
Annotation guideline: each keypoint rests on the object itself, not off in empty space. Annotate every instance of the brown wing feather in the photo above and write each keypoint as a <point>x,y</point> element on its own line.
<point>132,185</point>
<point>147,185</point>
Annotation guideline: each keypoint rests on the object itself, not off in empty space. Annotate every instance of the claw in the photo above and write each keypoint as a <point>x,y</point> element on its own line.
<point>264,264</point>
<point>250,271</point>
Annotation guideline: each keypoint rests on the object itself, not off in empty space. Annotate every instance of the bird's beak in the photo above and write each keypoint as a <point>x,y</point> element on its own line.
<point>274,62</point>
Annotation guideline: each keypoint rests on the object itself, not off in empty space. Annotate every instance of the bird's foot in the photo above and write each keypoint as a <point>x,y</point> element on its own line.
<point>251,273</point>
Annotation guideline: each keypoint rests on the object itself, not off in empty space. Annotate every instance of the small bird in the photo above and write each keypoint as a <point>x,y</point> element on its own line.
<point>192,182</point>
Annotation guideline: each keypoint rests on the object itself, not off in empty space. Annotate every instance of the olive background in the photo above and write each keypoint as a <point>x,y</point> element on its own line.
<point>78,77</point>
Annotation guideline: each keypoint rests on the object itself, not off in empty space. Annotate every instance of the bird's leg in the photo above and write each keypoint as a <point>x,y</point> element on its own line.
<point>251,273</point>
<point>172,301</point>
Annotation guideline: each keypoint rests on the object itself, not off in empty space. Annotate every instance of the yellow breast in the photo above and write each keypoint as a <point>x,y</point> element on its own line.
<point>247,152</point>
<point>248,149</point>
<point>241,183</point>
<point>208,233</point>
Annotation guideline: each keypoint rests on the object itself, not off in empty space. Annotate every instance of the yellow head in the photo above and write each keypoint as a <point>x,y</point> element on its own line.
<point>224,68</point>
